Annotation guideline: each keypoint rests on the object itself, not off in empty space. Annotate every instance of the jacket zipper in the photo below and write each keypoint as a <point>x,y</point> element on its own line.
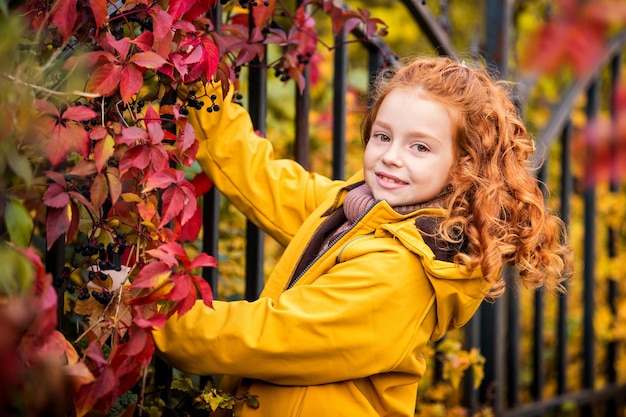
<point>332,242</point>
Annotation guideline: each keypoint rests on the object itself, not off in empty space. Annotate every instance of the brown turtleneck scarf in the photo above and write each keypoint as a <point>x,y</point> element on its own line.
<point>360,198</point>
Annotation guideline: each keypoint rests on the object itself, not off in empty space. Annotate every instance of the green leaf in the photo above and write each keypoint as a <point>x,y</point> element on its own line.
<point>17,273</point>
<point>183,384</point>
<point>19,223</point>
<point>252,401</point>
<point>20,166</point>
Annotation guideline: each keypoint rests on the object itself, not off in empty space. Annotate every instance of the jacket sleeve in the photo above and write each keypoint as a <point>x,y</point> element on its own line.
<point>351,322</point>
<point>274,194</point>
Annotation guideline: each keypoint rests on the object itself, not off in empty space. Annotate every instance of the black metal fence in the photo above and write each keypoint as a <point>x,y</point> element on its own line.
<point>497,328</point>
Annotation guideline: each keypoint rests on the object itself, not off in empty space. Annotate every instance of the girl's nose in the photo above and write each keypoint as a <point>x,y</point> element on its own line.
<point>392,156</point>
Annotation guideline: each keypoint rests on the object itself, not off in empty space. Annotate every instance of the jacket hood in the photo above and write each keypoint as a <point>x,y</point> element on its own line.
<point>458,291</point>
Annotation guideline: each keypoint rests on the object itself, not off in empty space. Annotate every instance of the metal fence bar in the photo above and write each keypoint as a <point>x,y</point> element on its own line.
<point>589,197</point>
<point>513,355</point>
<point>567,187</point>
<point>340,89</point>
<point>255,247</point>
<point>538,365</point>
<point>492,325</point>
<point>438,37</point>
<point>210,234</point>
<point>612,291</point>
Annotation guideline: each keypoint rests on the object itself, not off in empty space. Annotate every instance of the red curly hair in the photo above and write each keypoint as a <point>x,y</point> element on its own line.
<point>494,204</point>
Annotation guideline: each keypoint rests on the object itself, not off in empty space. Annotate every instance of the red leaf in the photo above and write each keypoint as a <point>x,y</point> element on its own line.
<point>187,137</point>
<point>201,183</point>
<point>63,137</point>
<point>44,324</point>
<point>155,320</point>
<point>57,223</point>
<point>150,275</point>
<point>105,79</point>
<point>204,289</point>
<point>138,157</point>
<point>211,57</point>
<point>145,40</point>
<point>199,8</point>
<point>179,7</point>
<point>131,135</point>
<point>121,46</point>
<point>147,60</point>
<point>79,113</point>
<point>182,288</point>
<point>162,24</point>
<point>57,177</point>
<point>89,395</point>
<point>103,151</point>
<point>99,191</point>
<point>136,343</point>
<point>131,81</point>
<point>169,253</point>
<point>78,197</point>
<point>100,12</point>
<point>115,185</point>
<point>173,200</point>
<point>56,196</point>
<point>190,204</point>
<point>64,17</point>
<point>187,303</point>
<point>163,179</point>
<point>83,168</point>
<point>262,13</point>
<point>191,229</point>
<point>201,260</point>
<point>158,157</point>
<point>74,222</point>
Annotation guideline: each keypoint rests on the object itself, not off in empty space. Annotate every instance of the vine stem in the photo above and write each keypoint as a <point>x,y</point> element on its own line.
<point>93,326</point>
<point>47,90</point>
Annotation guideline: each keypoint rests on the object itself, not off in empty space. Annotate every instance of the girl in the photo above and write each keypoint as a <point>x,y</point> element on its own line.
<point>377,266</point>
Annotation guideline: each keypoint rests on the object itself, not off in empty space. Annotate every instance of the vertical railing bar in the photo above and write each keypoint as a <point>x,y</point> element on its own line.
<point>498,17</point>
<point>567,186</point>
<point>374,63</point>
<point>302,144</point>
<point>514,335</point>
<point>210,234</point>
<point>589,198</point>
<point>471,336</point>
<point>612,290</point>
<point>257,108</point>
<point>340,89</point>
<point>538,320</point>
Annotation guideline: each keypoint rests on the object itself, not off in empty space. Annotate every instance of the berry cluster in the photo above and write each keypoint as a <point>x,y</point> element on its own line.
<point>196,103</point>
<point>103,297</point>
<point>245,3</point>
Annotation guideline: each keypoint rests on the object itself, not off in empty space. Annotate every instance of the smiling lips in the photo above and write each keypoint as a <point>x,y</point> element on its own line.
<point>386,180</point>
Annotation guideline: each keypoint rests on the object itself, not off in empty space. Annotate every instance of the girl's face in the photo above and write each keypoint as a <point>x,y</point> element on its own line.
<point>410,151</point>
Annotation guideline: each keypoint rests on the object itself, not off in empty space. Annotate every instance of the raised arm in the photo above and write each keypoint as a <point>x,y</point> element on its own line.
<point>276,195</point>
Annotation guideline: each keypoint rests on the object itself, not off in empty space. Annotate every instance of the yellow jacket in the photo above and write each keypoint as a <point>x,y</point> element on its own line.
<point>345,339</point>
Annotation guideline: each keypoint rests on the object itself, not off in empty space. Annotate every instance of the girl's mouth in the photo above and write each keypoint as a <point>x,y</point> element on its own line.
<point>384,179</point>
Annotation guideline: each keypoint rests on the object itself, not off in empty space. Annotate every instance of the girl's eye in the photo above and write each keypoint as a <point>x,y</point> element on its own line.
<point>421,147</point>
<point>382,137</point>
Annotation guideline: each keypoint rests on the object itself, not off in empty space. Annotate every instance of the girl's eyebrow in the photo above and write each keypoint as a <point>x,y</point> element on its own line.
<point>413,134</point>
